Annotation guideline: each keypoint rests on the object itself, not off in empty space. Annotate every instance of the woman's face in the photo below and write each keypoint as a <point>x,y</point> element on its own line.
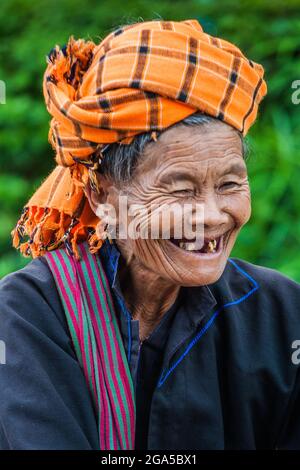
<point>188,166</point>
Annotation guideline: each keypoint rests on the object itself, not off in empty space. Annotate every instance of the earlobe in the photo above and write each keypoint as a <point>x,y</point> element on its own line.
<point>93,197</point>
<point>99,196</point>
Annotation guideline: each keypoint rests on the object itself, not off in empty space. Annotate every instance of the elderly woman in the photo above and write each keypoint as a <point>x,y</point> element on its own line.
<point>147,342</point>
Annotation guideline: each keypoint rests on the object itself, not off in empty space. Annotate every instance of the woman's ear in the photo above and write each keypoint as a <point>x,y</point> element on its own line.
<point>99,197</point>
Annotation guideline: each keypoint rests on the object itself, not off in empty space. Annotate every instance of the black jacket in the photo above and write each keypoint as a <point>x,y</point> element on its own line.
<point>227,379</point>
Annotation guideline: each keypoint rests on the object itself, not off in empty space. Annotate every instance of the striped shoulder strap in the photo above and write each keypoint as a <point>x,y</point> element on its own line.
<point>95,333</point>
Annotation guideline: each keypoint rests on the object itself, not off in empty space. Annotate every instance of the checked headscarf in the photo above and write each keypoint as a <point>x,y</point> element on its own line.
<point>141,77</point>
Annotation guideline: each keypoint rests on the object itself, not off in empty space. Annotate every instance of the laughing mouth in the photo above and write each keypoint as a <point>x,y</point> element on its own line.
<point>208,245</point>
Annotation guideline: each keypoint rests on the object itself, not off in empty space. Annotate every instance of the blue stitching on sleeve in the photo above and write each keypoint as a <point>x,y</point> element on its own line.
<point>163,378</point>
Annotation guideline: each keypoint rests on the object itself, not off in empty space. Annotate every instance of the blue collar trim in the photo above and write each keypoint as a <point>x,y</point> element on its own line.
<point>110,256</point>
<point>255,287</point>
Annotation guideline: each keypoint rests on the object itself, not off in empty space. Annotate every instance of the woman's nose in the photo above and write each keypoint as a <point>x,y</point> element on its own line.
<point>210,213</point>
<point>213,211</point>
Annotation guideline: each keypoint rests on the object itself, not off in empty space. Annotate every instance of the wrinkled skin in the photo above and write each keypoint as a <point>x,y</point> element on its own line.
<point>212,171</point>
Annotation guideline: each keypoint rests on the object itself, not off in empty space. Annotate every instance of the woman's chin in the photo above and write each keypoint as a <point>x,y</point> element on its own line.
<point>189,268</point>
<point>182,273</point>
<point>209,276</point>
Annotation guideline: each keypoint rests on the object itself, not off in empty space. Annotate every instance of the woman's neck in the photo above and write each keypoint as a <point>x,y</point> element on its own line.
<point>148,296</point>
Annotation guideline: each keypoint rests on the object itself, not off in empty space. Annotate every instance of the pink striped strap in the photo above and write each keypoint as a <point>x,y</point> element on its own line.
<point>88,306</point>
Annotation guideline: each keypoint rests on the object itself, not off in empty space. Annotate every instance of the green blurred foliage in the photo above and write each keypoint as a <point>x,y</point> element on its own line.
<point>267,32</point>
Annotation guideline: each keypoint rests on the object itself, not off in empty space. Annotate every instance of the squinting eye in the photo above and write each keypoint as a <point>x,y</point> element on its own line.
<point>183,192</point>
<point>230,184</point>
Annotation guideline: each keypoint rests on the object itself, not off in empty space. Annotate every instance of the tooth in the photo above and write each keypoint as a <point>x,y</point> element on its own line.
<point>212,245</point>
<point>187,246</point>
<point>190,246</point>
<point>199,245</point>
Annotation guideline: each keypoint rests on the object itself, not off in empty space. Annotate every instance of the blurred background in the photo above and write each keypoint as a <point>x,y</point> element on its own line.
<point>267,32</point>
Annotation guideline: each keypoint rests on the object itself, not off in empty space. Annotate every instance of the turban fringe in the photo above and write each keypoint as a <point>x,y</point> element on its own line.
<point>142,77</point>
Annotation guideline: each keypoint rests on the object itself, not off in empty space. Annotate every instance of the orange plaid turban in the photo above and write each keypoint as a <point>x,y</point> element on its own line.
<point>141,77</point>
